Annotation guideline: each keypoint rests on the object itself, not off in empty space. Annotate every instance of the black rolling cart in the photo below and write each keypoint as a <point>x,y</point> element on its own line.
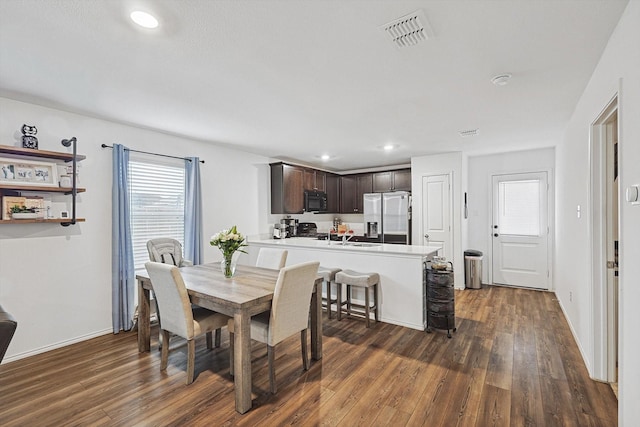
<point>440,298</point>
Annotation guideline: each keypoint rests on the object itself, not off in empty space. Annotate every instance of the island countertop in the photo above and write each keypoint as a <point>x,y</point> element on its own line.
<point>357,247</point>
<point>401,290</point>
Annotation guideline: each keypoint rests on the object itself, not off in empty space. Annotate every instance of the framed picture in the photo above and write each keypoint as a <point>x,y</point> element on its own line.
<point>27,172</point>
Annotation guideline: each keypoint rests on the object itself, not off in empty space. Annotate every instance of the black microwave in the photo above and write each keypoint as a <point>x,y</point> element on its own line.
<point>315,201</point>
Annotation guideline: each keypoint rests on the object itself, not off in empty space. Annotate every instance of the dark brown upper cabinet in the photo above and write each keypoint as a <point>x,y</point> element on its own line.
<point>398,180</point>
<point>315,180</point>
<point>344,193</point>
<point>333,192</point>
<point>287,189</point>
<point>352,189</point>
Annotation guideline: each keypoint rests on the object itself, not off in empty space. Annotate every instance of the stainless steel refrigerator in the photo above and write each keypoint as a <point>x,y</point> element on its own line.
<point>387,217</point>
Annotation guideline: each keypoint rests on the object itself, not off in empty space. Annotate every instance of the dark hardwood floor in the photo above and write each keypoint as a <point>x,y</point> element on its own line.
<point>512,362</point>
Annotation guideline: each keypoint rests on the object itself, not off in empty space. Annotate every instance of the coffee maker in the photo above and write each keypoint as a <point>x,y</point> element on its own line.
<point>291,226</point>
<point>279,231</point>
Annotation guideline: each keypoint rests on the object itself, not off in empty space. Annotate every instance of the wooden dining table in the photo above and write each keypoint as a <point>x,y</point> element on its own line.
<point>247,293</point>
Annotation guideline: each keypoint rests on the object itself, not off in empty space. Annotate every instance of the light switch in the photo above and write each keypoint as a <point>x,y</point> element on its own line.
<point>633,194</point>
<point>579,211</point>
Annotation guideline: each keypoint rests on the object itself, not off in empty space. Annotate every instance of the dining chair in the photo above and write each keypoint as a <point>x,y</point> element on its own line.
<point>272,258</point>
<point>166,251</point>
<point>178,317</point>
<point>289,314</point>
<point>8,327</point>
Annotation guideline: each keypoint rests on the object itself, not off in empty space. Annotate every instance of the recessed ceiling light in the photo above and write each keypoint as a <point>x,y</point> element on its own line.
<point>144,19</point>
<point>325,157</point>
<point>501,79</point>
<point>389,147</point>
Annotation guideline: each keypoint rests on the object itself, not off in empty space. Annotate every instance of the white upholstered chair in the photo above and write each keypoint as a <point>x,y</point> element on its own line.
<point>272,258</point>
<point>289,314</point>
<point>178,317</point>
<point>166,251</point>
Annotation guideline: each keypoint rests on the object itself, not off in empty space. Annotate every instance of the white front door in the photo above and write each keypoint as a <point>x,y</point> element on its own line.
<point>436,213</point>
<point>520,230</point>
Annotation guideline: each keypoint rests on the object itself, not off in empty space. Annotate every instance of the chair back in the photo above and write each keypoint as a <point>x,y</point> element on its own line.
<point>8,326</point>
<point>165,250</point>
<point>173,299</point>
<point>272,258</point>
<point>291,301</point>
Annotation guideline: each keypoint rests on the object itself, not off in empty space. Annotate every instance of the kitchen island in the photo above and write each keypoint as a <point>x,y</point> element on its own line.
<point>401,291</point>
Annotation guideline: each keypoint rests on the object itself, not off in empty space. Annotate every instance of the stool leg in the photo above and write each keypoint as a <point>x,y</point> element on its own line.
<point>328,286</point>
<point>366,305</point>
<point>335,300</point>
<point>348,300</point>
<point>339,300</point>
<point>375,300</point>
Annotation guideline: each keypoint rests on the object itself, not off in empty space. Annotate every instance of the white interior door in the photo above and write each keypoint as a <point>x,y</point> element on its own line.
<point>520,230</point>
<point>436,213</point>
<point>612,191</point>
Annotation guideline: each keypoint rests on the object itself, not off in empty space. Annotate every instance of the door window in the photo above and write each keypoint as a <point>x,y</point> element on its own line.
<point>519,207</point>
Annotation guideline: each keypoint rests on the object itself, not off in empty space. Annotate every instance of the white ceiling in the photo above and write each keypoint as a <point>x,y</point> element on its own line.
<point>296,79</point>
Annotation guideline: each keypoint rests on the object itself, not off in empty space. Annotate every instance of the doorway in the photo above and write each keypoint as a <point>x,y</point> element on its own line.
<point>520,234</point>
<point>605,242</point>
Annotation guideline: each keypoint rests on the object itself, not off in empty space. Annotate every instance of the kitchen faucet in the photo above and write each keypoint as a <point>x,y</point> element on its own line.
<point>345,238</point>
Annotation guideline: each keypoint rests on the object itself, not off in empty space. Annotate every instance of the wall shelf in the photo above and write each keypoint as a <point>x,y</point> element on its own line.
<point>29,152</point>
<point>35,188</point>
<point>39,220</point>
<point>11,188</point>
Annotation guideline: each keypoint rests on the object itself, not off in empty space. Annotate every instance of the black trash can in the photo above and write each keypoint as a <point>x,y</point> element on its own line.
<point>472,269</point>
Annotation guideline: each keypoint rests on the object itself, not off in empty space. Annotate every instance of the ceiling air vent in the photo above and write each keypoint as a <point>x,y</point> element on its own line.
<point>470,132</point>
<point>409,30</point>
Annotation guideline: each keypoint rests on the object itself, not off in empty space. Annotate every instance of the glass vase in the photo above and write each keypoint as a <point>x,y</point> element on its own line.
<point>228,265</point>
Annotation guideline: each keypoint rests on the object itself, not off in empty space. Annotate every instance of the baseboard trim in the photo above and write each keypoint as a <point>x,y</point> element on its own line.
<point>56,345</point>
<point>575,337</point>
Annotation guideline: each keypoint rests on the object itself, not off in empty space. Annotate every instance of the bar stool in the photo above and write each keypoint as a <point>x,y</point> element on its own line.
<point>359,280</point>
<point>329,276</point>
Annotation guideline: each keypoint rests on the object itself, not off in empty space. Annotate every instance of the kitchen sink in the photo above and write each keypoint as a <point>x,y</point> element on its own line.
<point>357,244</point>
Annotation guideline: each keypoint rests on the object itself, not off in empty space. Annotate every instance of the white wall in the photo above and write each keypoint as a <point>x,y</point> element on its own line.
<point>619,67</point>
<point>440,164</point>
<point>480,171</point>
<point>56,281</point>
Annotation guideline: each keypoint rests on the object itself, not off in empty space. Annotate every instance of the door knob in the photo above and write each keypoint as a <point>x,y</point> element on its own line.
<point>426,236</point>
<point>495,226</point>
<point>495,234</point>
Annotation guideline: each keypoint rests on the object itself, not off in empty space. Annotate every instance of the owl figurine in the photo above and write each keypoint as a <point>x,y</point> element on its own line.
<point>29,139</point>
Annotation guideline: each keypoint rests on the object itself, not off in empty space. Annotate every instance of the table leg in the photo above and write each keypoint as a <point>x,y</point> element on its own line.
<point>144,321</point>
<point>242,361</point>
<point>316,322</point>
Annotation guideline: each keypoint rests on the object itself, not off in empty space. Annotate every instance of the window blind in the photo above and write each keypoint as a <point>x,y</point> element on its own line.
<point>519,208</point>
<point>157,205</point>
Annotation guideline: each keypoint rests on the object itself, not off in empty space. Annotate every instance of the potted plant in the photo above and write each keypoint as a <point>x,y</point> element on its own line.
<point>23,212</point>
<point>229,241</point>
